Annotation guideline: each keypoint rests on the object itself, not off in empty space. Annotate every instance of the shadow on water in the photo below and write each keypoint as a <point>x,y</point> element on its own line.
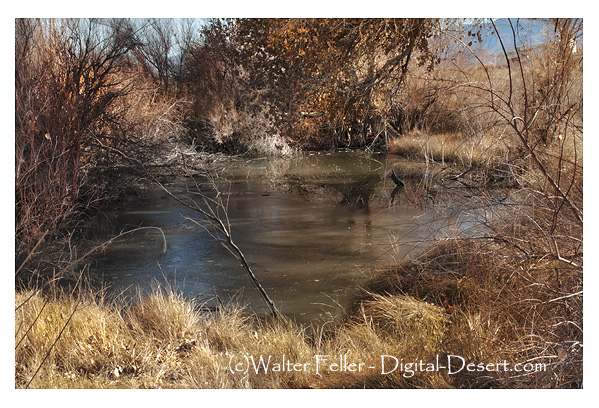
<point>311,228</point>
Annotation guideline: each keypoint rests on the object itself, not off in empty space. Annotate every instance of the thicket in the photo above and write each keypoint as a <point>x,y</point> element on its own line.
<point>319,83</point>
<point>86,114</point>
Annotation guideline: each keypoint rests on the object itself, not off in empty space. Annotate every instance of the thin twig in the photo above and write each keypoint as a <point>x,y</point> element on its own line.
<point>54,344</point>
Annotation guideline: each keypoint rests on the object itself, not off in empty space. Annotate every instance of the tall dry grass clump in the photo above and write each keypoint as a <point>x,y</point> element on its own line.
<point>160,342</point>
<point>502,306</point>
<point>419,325</point>
<point>59,340</point>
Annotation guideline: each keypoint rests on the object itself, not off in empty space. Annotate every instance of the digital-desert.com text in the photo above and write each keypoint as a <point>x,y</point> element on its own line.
<point>321,364</point>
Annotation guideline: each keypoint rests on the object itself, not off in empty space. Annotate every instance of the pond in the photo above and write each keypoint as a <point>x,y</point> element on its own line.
<point>312,227</point>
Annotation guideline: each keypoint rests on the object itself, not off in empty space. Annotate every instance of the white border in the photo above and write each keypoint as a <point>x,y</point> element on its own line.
<point>306,8</point>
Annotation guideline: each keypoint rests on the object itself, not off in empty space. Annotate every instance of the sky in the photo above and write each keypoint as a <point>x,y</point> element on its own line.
<point>529,32</point>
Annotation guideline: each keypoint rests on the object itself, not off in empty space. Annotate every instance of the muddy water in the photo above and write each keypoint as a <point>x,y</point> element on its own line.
<point>311,227</point>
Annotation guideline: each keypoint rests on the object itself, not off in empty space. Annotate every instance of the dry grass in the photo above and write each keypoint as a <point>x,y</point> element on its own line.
<point>451,301</point>
<point>161,342</point>
<point>450,148</point>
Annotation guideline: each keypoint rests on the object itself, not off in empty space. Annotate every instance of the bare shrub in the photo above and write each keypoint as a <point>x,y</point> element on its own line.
<point>65,82</point>
<point>83,111</point>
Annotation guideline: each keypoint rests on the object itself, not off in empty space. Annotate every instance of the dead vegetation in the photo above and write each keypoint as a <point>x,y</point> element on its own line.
<point>458,299</point>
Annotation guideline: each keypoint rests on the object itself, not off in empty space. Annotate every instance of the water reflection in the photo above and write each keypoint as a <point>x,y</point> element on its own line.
<point>308,245</point>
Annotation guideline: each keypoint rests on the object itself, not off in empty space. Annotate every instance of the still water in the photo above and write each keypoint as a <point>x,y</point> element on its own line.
<point>312,228</point>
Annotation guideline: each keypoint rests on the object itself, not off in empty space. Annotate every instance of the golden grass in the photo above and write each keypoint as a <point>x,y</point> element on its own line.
<point>451,301</point>
<point>450,148</point>
<point>161,342</point>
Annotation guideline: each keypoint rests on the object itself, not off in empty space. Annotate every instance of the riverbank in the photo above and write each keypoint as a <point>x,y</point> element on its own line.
<point>508,301</point>
<point>453,318</point>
